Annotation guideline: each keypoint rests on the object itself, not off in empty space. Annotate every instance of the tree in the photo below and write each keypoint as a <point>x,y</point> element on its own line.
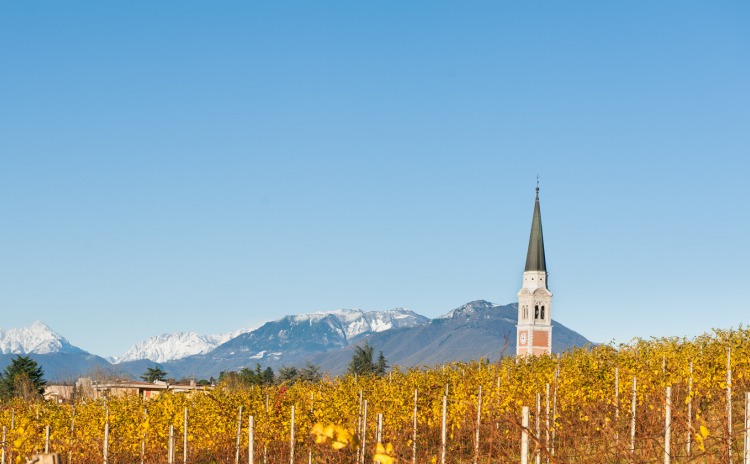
<point>290,375</point>
<point>153,374</point>
<point>22,378</point>
<point>310,373</point>
<point>362,362</point>
<point>382,365</point>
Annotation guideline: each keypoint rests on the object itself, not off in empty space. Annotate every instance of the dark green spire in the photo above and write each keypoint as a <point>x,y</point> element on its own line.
<point>535,257</point>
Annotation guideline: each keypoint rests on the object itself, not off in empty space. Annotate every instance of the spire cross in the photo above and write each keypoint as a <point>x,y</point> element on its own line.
<point>537,185</point>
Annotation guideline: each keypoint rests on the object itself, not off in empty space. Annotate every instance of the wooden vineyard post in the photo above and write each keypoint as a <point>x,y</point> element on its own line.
<point>729,404</point>
<point>546,438</point>
<point>443,434</point>
<point>668,425</point>
<point>525,435</point>
<point>617,405</point>
<point>361,457</point>
<point>690,411</point>
<point>479,424</point>
<point>239,431</point>
<point>554,408</point>
<point>170,449</point>
<point>72,435</point>
<point>143,439</point>
<point>312,409</point>
<point>359,426</point>
<point>265,445</point>
<point>632,419</point>
<point>291,439</point>
<point>538,431</point>
<point>185,438</point>
<point>414,431</point>
<point>747,429</point>
<point>46,440</point>
<point>251,440</point>
<point>380,428</point>
<point>106,437</point>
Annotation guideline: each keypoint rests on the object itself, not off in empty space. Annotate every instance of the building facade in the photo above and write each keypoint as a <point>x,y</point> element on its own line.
<point>534,329</point>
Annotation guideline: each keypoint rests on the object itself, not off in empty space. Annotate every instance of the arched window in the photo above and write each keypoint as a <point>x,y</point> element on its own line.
<point>536,312</point>
<point>542,312</point>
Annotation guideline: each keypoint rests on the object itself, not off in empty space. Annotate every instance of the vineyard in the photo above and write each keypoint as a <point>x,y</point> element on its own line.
<point>628,404</point>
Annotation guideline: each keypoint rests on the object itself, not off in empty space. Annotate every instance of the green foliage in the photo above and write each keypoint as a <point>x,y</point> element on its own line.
<point>247,376</point>
<point>153,374</point>
<point>23,378</point>
<point>362,362</point>
<point>309,373</point>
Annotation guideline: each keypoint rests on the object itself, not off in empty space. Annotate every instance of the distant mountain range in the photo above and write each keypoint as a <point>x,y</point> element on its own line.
<point>475,330</point>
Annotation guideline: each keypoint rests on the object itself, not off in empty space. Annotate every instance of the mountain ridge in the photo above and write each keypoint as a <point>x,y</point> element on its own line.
<point>478,329</point>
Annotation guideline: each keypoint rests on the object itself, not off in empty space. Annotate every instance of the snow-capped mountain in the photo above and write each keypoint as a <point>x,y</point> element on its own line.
<point>38,338</point>
<point>292,339</point>
<point>172,346</point>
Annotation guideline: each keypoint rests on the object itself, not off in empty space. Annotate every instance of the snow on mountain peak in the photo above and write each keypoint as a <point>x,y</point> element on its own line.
<point>38,338</point>
<point>172,346</point>
<point>354,322</point>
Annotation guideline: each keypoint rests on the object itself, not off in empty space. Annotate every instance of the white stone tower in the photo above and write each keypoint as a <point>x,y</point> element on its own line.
<point>534,329</point>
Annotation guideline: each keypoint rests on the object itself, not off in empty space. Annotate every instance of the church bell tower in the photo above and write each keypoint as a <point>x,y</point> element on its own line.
<point>534,329</point>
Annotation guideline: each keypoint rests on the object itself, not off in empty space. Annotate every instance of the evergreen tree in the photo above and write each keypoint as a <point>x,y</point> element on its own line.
<point>382,365</point>
<point>153,374</point>
<point>362,362</point>
<point>22,378</point>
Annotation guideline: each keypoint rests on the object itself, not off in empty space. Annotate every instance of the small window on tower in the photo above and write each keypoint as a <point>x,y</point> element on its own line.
<point>542,312</point>
<point>536,312</point>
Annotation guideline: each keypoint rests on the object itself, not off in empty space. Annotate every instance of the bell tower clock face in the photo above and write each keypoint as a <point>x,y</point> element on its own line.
<point>523,338</point>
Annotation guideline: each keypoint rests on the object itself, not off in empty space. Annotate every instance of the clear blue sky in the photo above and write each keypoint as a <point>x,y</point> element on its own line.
<point>174,166</point>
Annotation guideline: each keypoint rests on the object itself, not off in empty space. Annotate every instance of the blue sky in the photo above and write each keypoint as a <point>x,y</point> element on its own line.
<point>179,166</point>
